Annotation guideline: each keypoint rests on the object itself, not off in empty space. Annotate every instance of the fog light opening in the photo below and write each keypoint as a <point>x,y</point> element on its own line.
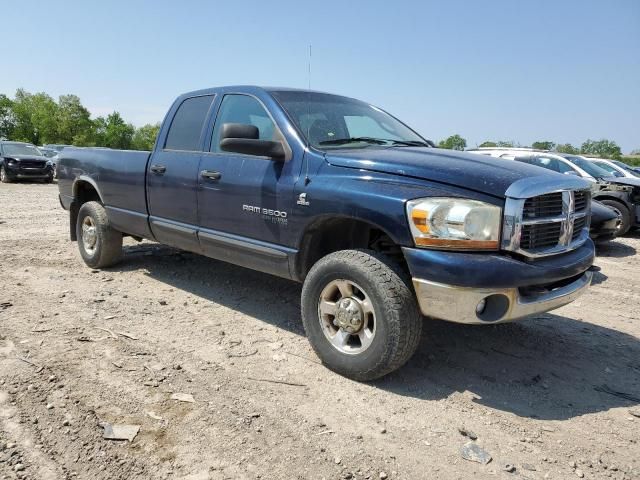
<point>492,308</point>
<point>481,306</point>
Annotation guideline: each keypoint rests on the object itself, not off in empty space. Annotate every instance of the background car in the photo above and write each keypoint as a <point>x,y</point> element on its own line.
<point>550,161</point>
<point>616,168</point>
<point>20,161</point>
<point>52,155</point>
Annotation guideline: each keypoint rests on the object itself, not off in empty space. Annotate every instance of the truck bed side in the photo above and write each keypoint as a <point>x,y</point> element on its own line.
<point>118,179</point>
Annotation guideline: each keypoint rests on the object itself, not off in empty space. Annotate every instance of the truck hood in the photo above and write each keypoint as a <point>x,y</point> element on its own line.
<point>481,173</point>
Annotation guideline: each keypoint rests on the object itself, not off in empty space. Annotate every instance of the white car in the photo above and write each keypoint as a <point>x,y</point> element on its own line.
<point>550,161</point>
<point>615,168</point>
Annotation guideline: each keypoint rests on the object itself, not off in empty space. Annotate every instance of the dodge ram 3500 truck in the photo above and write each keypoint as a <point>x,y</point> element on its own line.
<point>339,195</point>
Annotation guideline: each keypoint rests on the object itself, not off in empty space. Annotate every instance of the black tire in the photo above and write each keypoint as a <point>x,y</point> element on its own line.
<point>398,322</point>
<point>4,176</point>
<point>624,213</point>
<point>106,250</point>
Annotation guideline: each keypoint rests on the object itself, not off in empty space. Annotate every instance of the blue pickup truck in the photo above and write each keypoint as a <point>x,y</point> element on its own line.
<point>380,227</point>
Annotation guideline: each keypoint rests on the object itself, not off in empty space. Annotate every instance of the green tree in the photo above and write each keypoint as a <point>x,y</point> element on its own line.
<point>505,144</point>
<point>454,142</point>
<point>117,133</point>
<point>73,121</point>
<point>543,145</point>
<point>601,148</point>
<point>145,136</point>
<point>7,121</point>
<point>35,117</point>
<point>488,143</point>
<point>567,148</point>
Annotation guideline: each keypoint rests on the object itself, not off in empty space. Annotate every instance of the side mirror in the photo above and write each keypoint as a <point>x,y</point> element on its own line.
<point>240,138</point>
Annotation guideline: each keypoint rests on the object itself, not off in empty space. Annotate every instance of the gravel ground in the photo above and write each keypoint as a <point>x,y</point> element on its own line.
<point>555,396</point>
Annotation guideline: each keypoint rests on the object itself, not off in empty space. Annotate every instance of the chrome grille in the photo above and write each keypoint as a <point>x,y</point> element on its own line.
<point>543,206</point>
<point>582,199</point>
<point>545,223</point>
<point>578,225</point>
<point>540,235</point>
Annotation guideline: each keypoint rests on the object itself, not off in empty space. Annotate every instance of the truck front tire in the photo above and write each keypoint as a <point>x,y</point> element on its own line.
<point>360,315</point>
<point>100,245</point>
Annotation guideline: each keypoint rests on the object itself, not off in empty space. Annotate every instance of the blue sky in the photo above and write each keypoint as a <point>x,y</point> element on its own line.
<point>560,70</point>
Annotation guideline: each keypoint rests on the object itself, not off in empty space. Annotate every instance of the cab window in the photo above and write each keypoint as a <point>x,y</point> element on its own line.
<point>186,127</point>
<point>246,110</point>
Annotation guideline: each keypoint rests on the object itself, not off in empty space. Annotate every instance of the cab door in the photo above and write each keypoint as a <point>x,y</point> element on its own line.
<point>245,200</point>
<point>172,176</point>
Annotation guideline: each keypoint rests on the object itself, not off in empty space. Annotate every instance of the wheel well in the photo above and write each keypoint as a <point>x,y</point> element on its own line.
<point>333,234</point>
<point>600,198</point>
<point>83,192</point>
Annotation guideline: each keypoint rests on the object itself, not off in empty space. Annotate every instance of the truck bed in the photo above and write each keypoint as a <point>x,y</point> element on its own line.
<point>117,175</point>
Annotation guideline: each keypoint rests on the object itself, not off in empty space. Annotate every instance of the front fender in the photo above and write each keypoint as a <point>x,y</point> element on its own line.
<point>376,198</point>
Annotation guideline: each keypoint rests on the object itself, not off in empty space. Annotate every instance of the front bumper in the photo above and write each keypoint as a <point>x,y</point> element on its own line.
<point>18,172</point>
<point>459,304</point>
<point>451,285</point>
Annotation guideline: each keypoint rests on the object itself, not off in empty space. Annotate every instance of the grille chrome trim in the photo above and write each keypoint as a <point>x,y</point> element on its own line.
<point>513,221</point>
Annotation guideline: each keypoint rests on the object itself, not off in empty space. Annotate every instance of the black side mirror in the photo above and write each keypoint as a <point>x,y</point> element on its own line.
<point>240,138</point>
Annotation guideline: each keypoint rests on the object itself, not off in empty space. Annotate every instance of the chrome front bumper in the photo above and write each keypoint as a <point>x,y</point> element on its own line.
<point>459,304</point>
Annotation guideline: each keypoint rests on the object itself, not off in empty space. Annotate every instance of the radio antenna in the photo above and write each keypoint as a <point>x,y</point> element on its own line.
<point>306,173</point>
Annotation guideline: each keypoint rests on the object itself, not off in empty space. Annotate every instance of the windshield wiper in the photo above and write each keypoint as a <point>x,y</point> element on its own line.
<point>410,143</point>
<point>342,141</point>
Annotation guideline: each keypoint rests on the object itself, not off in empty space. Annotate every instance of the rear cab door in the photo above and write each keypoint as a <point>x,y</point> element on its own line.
<point>172,173</point>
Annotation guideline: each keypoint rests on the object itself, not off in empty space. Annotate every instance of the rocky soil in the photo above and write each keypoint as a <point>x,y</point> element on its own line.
<point>556,396</point>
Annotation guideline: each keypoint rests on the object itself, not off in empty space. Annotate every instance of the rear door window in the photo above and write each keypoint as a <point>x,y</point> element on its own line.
<point>186,128</point>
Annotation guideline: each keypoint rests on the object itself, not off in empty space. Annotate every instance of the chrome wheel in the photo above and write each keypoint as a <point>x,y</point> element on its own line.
<point>347,317</point>
<point>3,175</point>
<point>89,235</point>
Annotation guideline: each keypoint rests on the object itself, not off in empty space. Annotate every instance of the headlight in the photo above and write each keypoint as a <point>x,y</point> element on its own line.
<point>11,161</point>
<point>454,223</point>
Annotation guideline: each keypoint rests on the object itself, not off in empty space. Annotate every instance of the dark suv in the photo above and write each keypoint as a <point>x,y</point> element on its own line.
<point>23,161</point>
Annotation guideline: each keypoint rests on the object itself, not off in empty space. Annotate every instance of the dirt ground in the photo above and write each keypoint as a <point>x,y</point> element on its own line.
<point>555,396</point>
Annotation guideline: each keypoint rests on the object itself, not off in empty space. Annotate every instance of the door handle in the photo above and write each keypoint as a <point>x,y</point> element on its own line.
<point>158,169</point>
<point>211,174</point>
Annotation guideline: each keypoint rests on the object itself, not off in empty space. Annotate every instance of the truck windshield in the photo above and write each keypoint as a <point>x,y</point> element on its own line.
<point>331,121</point>
<point>20,149</point>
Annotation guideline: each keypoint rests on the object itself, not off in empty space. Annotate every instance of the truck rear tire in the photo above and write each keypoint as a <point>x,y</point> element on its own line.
<point>625,215</point>
<point>360,314</point>
<point>100,245</point>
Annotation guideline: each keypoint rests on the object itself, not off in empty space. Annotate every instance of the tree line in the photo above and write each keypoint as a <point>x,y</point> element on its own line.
<point>39,119</point>
<point>597,148</point>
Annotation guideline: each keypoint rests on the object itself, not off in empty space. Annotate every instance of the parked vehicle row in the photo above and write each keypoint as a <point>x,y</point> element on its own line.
<point>618,191</point>
<point>335,193</point>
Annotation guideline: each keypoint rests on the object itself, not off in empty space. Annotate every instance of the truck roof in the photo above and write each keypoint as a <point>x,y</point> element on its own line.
<point>248,89</point>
